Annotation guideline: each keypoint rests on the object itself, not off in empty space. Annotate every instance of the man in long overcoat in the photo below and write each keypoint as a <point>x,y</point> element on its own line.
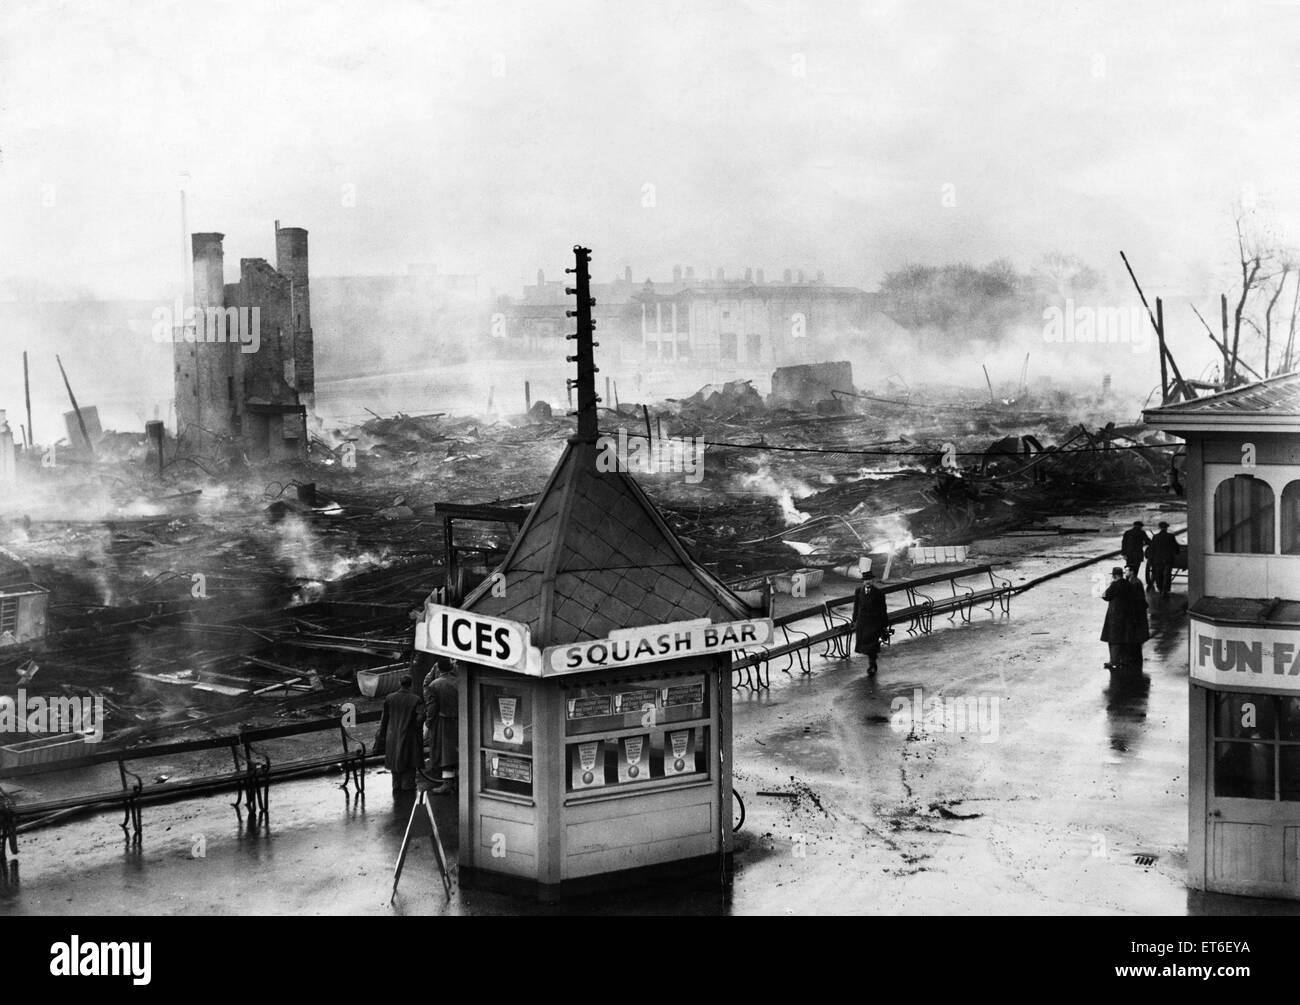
<point>442,707</point>
<point>1133,545</point>
<point>399,733</point>
<point>1137,628</point>
<point>1164,552</point>
<point>1114,630</point>
<point>870,619</point>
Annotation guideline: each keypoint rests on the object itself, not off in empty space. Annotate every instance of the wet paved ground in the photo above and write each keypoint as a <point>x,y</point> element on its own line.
<point>1038,803</point>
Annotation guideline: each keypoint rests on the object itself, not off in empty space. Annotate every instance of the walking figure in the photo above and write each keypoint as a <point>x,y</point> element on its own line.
<point>1133,545</point>
<point>1164,553</point>
<point>870,619</point>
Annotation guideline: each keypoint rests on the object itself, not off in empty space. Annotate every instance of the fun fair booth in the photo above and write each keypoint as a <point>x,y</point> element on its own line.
<point>595,684</point>
<point>1243,594</point>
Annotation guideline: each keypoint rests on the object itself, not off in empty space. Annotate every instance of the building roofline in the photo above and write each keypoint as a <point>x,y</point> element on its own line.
<point>1201,415</point>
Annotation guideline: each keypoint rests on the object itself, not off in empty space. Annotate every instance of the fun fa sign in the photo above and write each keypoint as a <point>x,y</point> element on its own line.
<point>1266,658</point>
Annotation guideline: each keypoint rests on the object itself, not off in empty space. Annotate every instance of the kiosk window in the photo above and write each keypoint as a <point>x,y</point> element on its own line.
<point>648,703</point>
<point>507,773</point>
<point>1291,519</point>
<point>644,757</point>
<point>1243,516</point>
<point>1257,747</point>
<point>650,729</point>
<point>506,745</point>
<point>507,723</point>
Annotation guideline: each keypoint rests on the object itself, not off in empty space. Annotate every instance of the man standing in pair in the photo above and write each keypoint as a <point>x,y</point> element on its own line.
<point>1137,629</point>
<point>399,735</point>
<point>1164,553</point>
<point>442,706</point>
<point>1133,545</point>
<point>870,619</point>
<point>1113,629</point>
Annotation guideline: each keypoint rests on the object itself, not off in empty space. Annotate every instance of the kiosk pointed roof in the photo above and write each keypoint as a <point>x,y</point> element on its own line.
<point>595,555</point>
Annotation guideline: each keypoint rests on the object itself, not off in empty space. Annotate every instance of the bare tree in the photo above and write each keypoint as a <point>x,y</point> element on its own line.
<point>1288,357</point>
<point>1251,256</point>
<point>1278,282</point>
<point>1264,264</point>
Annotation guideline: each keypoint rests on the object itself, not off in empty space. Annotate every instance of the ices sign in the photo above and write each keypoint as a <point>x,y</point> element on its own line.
<point>507,645</point>
<point>475,638</point>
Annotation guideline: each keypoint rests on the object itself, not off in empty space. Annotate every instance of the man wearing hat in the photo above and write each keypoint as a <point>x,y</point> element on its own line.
<point>399,736</point>
<point>442,712</point>
<point>1114,630</point>
<point>1164,553</point>
<point>1136,628</point>
<point>870,619</point>
<point>1133,544</point>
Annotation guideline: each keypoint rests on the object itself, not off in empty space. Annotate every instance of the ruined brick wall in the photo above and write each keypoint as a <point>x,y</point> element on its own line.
<point>224,366</point>
<point>268,374</point>
<point>203,371</point>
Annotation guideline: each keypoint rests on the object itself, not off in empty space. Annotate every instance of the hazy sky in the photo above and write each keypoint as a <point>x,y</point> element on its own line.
<point>489,137</point>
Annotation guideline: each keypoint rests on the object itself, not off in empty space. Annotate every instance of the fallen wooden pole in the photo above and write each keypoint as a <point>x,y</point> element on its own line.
<point>1165,351</point>
<point>1219,345</point>
<point>29,434</point>
<point>1164,369</point>
<point>81,423</point>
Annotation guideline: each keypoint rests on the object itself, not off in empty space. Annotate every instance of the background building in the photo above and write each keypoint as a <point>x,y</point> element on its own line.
<point>712,328</point>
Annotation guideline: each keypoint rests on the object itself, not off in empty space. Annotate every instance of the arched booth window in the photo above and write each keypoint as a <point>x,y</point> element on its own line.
<point>1243,516</point>
<point>1291,519</point>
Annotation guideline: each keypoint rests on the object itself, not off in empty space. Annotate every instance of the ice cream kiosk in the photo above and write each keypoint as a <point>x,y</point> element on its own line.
<point>595,684</point>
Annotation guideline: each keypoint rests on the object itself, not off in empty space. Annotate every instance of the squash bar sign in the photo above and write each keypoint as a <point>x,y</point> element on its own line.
<point>653,643</point>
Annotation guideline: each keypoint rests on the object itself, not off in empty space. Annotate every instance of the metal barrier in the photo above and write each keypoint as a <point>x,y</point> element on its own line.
<point>753,669</point>
<point>250,778</point>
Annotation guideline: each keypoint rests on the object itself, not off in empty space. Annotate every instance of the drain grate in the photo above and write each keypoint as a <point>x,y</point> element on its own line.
<point>1145,859</point>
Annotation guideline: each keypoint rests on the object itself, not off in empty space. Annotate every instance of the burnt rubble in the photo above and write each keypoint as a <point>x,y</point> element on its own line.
<point>215,591</point>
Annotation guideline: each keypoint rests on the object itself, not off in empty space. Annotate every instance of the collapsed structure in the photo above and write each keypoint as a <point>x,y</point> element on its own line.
<point>23,604</point>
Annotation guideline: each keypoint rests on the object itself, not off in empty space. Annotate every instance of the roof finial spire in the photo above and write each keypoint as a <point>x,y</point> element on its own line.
<point>585,357</point>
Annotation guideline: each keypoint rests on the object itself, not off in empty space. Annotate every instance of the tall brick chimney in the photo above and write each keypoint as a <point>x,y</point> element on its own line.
<point>209,270</point>
<point>291,262</point>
